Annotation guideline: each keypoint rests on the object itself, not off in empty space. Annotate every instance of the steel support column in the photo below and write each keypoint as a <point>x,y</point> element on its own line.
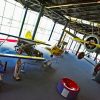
<point>23,21</point>
<point>78,49</point>
<point>96,57</point>
<point>52,31</point>
<point>37,23</point>
<point>79,46</point>
<point>72,40</point>
<point>62,34</point>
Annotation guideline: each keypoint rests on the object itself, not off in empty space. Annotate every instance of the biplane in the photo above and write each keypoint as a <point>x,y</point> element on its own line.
<point>57,50</point>
<point>24,46</point>
<point>90,42</point>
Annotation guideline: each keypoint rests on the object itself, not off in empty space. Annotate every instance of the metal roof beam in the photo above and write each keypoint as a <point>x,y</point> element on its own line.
<point>72,4</point>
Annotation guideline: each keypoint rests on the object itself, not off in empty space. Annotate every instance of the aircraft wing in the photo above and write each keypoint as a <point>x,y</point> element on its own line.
<point>34,43</point>
<point>79,40</point>
<point>30,41</point>
<point>22,57</point>
<point>74,36</point>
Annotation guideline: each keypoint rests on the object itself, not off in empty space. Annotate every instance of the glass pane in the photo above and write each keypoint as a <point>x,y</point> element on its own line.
<point>66,39</point>
<point>46,23</point>
<point>2,5</point>
<point>80,36</point>
<point>15,24</point>
<point>93,55</point>
<point>29,27</point>
<point>76,47</point>
<point>69,44</point>
<point>98,58</point>
<point>0,20</point>
<point>6,22</point>
<point>9,10</point>
<point>0,27</point>
<point>5,29</point>
<point>35,17</point>
<point>41,31</point>
<point>23,32</point>
<point>82,48</point>
<point>18,14</point>
<point>58,28</point>
<point>14,31</point>
<point>55,36</point>
<point>73,44</point>
<point>12,1</point>
<point>32,18</point>
<point>19,4</point>
<point>42,37</point>
<point>27,17</point>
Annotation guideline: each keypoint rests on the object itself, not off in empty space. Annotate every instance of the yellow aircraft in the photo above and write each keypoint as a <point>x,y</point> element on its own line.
<point>91,42</point>
<point>57,50</point>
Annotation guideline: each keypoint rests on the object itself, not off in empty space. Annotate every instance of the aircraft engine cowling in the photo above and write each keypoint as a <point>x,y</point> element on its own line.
<point>88,44</point>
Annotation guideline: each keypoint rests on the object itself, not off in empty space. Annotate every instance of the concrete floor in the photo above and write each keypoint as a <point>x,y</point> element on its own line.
<point>40,84</point>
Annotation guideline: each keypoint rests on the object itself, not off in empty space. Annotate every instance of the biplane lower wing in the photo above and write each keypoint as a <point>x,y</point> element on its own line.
<point>22,57</point>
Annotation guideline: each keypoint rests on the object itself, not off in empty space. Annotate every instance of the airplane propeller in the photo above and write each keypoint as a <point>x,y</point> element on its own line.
<point>91,42</point>
<point>87,42</point>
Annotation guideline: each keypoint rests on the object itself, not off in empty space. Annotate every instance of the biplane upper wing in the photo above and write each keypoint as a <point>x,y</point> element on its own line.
<point>36,42</point>
<point>24,39</point>
<point>22,57</point>
<point>74,36</point>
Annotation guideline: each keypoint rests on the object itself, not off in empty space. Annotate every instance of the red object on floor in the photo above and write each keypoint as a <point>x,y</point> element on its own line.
<point>70,85</point>
<point>68,89</point>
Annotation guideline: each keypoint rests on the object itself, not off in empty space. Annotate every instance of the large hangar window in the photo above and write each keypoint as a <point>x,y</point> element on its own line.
<point>11,14</point>
<point>30,22</point>
<point>56,33</point>
<point>11,17</point>
<point>44,29</point>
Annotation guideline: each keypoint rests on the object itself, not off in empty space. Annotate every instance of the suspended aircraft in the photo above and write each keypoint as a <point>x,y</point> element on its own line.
<point>57,50</point>
<point>26,46</point>
<point>90,42</point>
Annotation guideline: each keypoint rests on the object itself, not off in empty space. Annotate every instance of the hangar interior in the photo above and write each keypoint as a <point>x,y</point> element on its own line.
<point>71,25</point>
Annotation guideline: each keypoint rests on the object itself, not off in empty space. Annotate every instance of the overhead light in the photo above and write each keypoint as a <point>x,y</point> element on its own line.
<point>73,19</point>
<point>67,5</point>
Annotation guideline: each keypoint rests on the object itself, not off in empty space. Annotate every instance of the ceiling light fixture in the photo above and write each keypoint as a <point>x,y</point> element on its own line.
<point>77,20</point>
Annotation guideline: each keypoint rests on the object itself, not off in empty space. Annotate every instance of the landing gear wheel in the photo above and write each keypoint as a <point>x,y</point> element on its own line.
<point>46,65</point>
<point>81,55</point>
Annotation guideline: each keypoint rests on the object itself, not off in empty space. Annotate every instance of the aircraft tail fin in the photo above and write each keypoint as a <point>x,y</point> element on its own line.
<point>28,35</point>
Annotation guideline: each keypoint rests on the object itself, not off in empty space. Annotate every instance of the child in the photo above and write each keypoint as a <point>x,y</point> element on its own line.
<point>17,70</point>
